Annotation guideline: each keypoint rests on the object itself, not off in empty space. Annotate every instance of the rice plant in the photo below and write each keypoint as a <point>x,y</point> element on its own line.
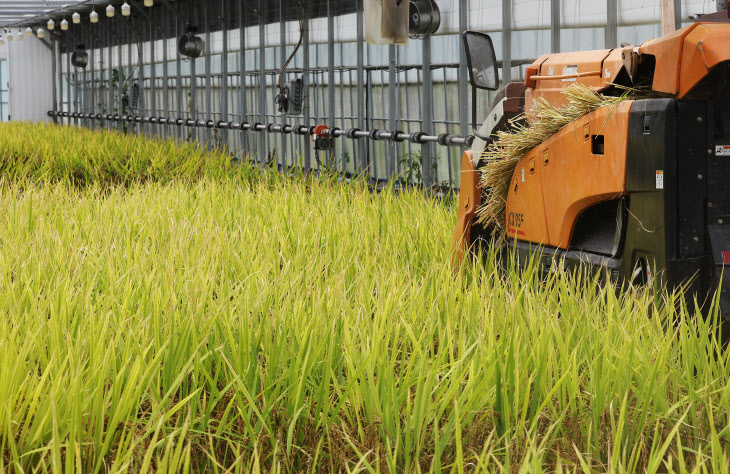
<point>292,325</point>
<point>46,154</point>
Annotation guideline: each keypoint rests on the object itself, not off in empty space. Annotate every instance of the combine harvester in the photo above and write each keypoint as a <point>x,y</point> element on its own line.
<point>640,191</point>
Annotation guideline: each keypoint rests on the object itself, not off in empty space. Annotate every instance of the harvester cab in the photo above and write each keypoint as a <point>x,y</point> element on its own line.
<point>639,190</point>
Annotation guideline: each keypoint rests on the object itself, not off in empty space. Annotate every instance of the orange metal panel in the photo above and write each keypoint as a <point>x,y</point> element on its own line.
<point>704,48</point>
<point>668,53</point>
<point>612,65</point>
<point>574,177</point>
<point>586,178</point>
<point>565,64</point>
<point>525,210</point>
<point>469,200</point>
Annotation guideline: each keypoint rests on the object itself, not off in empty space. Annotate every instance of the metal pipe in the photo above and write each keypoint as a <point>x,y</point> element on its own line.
<point>555,26</point>
<point>153,73</point>
<point>678,14</point>
<point>305,82</point>
<point>122,77</point>
<point>262,147</point>
<point>208,85</point>
<point>55,83</point>
<point>243,140</point>
<point>194,88</point>
<point>611,24</point>
<point>129,64</point>
<point>390,168</point>
<point>462,84</point>
<point>89,93</point>
<point>140,79</point>
<point>283,58</point>
<point>507,41</point>
<point>331,63</point>
<point>362,149</point>
<point>396,136</point>
<point>427,100</point>
<point>224,72</point>
<point>165,73</point>
<point>110,72</point>
<point>76,91</point>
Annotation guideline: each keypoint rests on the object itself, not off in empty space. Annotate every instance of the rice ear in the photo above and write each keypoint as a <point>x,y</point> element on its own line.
<point>526,132</point>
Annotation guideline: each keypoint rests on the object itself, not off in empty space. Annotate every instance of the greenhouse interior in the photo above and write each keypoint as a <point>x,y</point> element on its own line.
<point>364,236</point>
<point>248,50</point>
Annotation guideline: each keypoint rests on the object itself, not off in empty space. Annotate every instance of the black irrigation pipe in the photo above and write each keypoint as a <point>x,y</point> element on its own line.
<point>352,133</point>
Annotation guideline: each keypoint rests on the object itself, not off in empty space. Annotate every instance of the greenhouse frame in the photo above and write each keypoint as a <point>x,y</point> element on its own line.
<point>136,81</point>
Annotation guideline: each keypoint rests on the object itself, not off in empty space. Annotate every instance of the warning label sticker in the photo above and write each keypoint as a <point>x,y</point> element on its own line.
<point>722,150</point>
<point>660,179</point>
<point>569,70</point>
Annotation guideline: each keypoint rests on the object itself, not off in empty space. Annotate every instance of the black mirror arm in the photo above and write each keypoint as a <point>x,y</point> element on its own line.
<point>474,117</point>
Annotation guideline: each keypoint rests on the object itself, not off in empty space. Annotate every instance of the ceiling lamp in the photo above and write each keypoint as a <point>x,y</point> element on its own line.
<point>76,18</point>
<point>64,24</point>
<point>2,40</point>
<point>41,33</point>
<point>51,25</point>
<point>20,35</point>
<point>149,3</point>
<point>10,36</point>
<point>126,9</point>
<point>29,31</point>
<point>94,17</point>
<point>110,11</point>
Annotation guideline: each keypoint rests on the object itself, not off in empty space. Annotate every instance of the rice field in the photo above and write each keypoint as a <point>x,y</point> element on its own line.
<point>164,310</point>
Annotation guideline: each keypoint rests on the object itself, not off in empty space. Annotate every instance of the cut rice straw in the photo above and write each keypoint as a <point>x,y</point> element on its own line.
<point>527,131</point>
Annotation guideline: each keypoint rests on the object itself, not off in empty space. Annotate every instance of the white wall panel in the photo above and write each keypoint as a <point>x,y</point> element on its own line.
<point>30,80</point>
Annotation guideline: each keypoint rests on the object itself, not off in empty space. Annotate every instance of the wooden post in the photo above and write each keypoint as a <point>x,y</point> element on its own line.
<point>668,25</point>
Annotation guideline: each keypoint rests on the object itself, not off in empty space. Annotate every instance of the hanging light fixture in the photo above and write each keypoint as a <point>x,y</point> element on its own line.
<point>93,17</point>
<point>20,35</point>
<point>126,9</point>
<point>110,11</point>
<point>149,3</point>
<point>29,31</point>
<point>76,18</point>
<point>51,25</point>
<point>2,40</point>
<point>41,33</point>
<point>64,23</point>
<point>10,36</point>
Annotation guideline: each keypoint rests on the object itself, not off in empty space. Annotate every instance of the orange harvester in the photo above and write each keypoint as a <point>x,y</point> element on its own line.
<point>640,192</point>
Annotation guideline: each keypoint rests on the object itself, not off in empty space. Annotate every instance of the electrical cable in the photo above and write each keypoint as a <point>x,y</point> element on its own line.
<point>282,99</point>
<point>299,45</point>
